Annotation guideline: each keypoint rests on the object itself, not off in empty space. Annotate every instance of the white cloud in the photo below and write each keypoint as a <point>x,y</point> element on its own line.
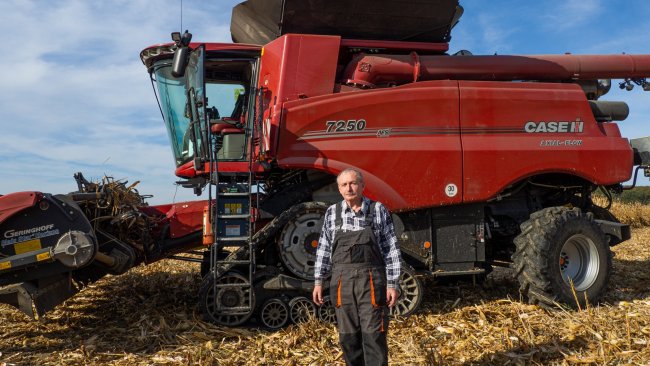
<point>562,15</point>
<point>496,36</point>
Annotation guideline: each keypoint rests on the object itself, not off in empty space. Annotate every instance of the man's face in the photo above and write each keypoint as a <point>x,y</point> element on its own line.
<point>350,187</point>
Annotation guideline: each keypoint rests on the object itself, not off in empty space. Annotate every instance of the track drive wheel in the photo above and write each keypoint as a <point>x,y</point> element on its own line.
<point>327,312</point>
<point>299,239</point>
<point>274,314</point>
<point>560,248</point>
<point>412,293</point>
<point>232,305</point>
<point>301,309</point>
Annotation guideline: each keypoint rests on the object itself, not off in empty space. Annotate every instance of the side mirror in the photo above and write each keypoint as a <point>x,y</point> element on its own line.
<point>179,64</point>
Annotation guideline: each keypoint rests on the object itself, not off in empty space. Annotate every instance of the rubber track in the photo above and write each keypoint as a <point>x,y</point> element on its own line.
<point>532,256</point>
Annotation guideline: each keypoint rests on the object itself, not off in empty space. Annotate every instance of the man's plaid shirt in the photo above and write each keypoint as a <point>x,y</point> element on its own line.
<point>382,228</point>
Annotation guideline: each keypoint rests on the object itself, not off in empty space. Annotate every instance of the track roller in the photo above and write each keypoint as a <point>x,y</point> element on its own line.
<point>327,312</point>
<point>412,293</point>
<point>274,314</point>
<point>301,309</point>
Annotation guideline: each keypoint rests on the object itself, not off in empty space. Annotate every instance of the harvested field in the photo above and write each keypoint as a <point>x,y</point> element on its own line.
<point>149,317</point>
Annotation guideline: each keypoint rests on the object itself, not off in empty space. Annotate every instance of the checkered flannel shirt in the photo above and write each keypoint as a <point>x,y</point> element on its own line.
<point>382,228</point>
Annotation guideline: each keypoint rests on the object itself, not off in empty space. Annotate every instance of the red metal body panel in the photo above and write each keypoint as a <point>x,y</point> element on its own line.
<point>409,149</point>
<point>184,217</point>
<point>497,150</point>
<point>420,138</point>
<point>295,66</point>
<point>13,203</point>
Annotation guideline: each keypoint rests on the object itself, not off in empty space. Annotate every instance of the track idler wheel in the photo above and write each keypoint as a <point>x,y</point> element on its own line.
<point>327,312</point>
<point>233,303</point>
<point>299,240</point>
<point>274,314</point>
<point>412,293</point>
<point>301,309</point>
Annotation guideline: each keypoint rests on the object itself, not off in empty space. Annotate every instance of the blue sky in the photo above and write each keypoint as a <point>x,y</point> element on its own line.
<point>74,95</point>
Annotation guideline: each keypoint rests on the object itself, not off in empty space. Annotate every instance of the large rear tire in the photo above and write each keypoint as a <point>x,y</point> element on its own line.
<point>562,256</point>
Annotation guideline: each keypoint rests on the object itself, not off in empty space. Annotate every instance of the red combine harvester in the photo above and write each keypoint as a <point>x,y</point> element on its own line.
<point>484,161</point>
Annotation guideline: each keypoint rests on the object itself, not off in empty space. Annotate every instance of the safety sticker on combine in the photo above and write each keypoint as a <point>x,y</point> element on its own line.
<point>12,237</point>
<point>233,230</point>
<point>451,190</point>
<point>232,208</point>
<point>27,246</point>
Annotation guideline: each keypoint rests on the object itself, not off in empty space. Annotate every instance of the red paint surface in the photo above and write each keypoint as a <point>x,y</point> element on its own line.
<point>470,134</point>
<point>408,169</point>
<point>13,203</point>
<point>184,217</point>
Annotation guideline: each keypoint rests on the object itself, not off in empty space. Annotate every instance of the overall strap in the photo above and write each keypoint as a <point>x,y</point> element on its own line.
<point>370,217</point>
<point>338,223</point>
<point>338,220</point>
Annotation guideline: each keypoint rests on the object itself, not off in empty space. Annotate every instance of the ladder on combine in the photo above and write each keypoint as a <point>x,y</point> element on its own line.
<point>231,300</point>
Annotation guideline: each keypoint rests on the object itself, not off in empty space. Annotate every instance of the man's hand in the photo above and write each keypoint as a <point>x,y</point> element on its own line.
<point>317,295</point>
<point>391,296</point>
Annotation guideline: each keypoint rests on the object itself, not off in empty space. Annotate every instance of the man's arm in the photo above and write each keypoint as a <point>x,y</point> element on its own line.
<point>323,257</point>
<point>389,246</point>
<point>391,253</point>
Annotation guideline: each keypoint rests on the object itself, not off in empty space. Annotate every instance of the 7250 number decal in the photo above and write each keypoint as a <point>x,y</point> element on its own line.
<point>346,126</point>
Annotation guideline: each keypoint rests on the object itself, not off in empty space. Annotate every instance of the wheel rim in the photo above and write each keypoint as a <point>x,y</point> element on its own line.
<point>327,312</point>
<point>579,262</point>
<point>411,295</point>
<point>301,309</point>
<point>274,314</point>
<point>298,243</point>
<point>234,302</point>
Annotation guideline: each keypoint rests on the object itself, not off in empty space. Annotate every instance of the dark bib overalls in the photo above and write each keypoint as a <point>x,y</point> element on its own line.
<point>358,289</point>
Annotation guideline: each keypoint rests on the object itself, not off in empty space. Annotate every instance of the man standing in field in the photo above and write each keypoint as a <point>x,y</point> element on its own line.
<point>359,249</point>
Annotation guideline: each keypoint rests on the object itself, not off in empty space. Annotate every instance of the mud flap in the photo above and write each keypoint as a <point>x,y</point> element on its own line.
<point>616,232</point>
<point>35,300</point>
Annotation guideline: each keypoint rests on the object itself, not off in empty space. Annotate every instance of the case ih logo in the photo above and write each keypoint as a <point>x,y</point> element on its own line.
<point>554,127</point>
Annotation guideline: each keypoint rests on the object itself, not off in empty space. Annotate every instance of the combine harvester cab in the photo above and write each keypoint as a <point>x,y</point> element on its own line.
<point>483,160</point>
